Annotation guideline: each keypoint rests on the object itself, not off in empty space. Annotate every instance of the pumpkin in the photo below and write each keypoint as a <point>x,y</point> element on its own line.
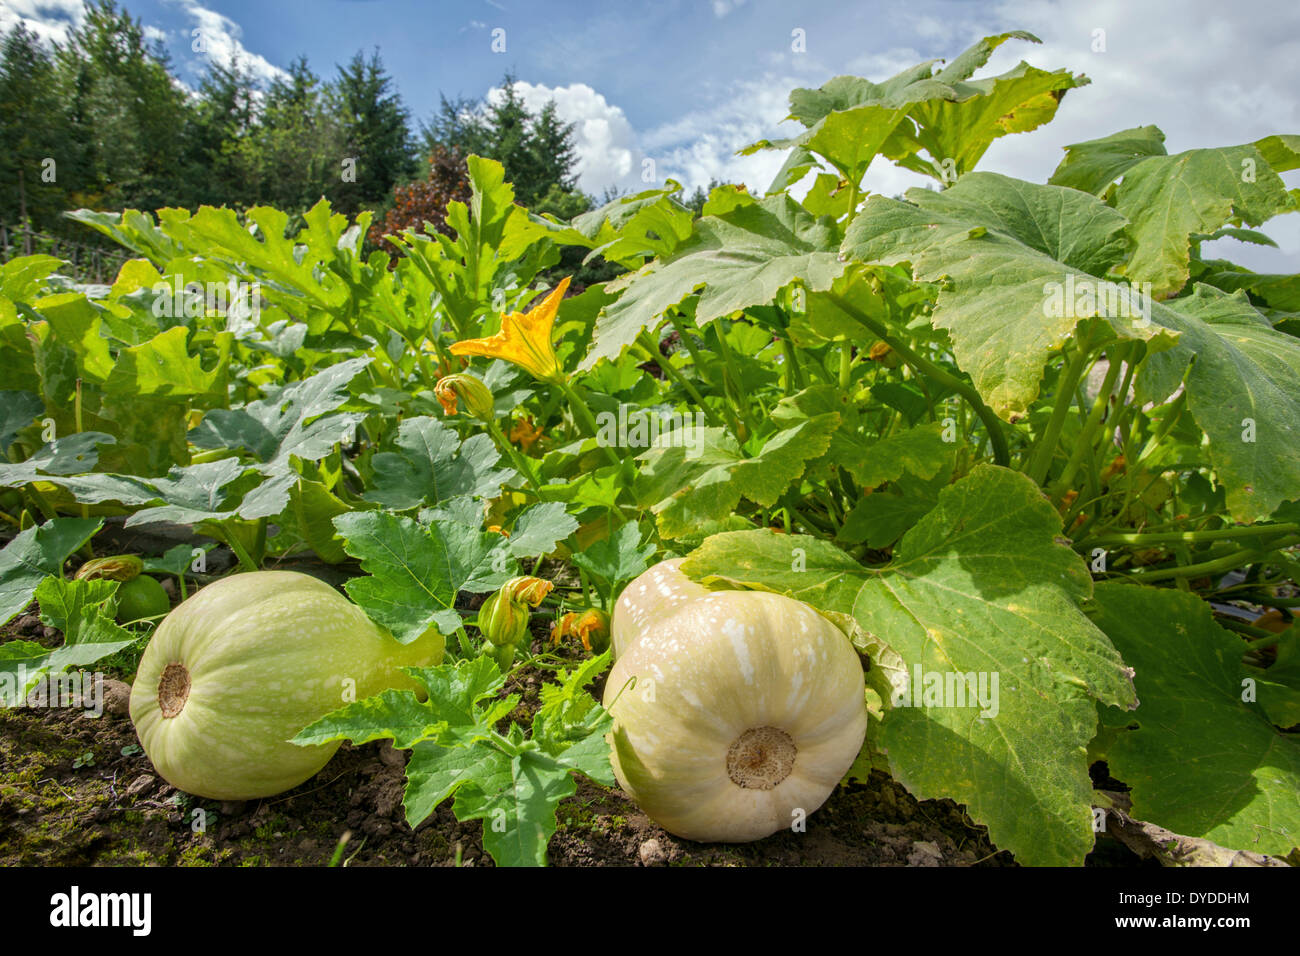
<point>654,595</point>
<point>241,666</point>
<point>747,710</point>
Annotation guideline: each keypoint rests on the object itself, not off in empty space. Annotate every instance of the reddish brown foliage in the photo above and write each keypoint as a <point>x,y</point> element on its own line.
<point>425,201</point>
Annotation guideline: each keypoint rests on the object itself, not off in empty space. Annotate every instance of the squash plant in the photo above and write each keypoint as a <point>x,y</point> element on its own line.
<point>1031,446</point>
<point>987,396</point>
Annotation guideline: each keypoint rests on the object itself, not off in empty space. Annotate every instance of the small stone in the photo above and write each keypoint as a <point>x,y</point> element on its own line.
<point>117,697</point>
<point>652,853</point>
<point>141,785</point>
<point>925,853</point>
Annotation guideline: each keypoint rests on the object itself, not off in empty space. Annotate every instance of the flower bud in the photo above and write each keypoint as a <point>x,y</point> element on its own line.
<point>119,567</point>
<point>883,353</point>
<point>476,396</point>
<point>528,589</point>
<point>502,620</point>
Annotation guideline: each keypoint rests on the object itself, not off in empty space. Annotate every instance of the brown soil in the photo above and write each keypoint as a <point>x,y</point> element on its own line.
<point>78,790</point>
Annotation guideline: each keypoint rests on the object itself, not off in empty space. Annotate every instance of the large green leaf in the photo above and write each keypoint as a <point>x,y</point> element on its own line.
<point>1167,199</point>
<point>1093,165</point>
<point>163,368</point>
<point>36,553</point>
<point>63,456</point>
<point>1275,291</point>
<point>850,120</point>
<point>627,230</point>
<point>980,585</point>
<point>1243,389</point>
<point>686,486</point>
<point>432,465</point>
<point>1003,245</point>
<point>871,461</point>
<point>302,419</point>
<point>1201,761</point>
<point>740,258</point>
<point>83,611</point>
<point>1281,152</point>
<point>414,571</point>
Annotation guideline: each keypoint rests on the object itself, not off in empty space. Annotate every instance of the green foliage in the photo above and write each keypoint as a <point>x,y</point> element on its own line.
<point>511,780</point>
<point>1200,754</point>
<point>83,611</point>
<point>937,418</point>
<point>35,554</point>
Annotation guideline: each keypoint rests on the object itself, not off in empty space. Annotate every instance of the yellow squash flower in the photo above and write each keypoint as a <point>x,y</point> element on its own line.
<point>590,626</point>
<point>524,433</point>
<point>524,339</point>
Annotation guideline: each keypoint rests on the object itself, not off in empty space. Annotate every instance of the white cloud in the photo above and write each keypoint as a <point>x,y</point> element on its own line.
<point>701,145</point>
<point>723,7</point>
<point>1206,74</point>
<point>695,148</point>
<point>222,40</point>
<point>51,21</point>
<point>606,143</point>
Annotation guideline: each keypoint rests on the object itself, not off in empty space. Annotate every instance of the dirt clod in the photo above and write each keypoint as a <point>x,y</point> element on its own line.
<point>141,785</point>
<point>117,698</point>
<point>651,853</point>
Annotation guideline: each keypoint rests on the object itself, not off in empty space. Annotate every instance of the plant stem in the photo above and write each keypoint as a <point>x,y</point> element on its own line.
<point>516,457</point>
<point>1143,539</point>
<point>582,413</point>
<point>1044,451</point>
<point>732,422</point>
<point>1226,563</point>
<point>794,370</point>
<point>245,560</point>
<point>1084,445</point>
<point>666,365</point>
<point>1172,413</point>
<point>42,502</point>
<point>992,424</point>
<point>732,378</point>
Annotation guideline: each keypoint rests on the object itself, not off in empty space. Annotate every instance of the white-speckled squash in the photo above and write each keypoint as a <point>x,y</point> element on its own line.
<point>747,711</point>
<point>651,597</point>
<point>244,664</point>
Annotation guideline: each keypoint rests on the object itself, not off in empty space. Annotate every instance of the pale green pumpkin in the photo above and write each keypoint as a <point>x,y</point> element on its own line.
<point>240,667</point>
<point>747,708</point>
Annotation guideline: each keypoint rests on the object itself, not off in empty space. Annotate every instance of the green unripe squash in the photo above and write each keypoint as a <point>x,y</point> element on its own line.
<point>243,665</point>
<point>141,597</point>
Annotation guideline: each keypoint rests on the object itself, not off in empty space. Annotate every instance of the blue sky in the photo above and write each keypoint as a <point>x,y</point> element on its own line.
<point>685,84</point>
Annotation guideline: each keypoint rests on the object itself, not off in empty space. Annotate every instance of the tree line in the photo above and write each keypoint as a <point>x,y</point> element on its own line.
<point>103,121</point>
